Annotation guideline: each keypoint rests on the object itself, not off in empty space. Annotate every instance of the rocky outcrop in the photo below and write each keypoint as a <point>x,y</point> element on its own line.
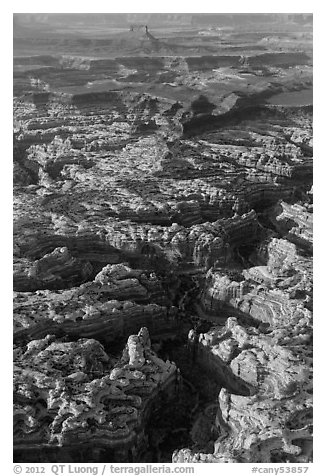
<point>295,223</point>
<point>54,270</point>
<point>68,393</point>
<point>157,184</point>
<point>263,366</point>
<point>274,422</point>
<point>263,302</point>
<point>115,304</point>
<point>112,241</point>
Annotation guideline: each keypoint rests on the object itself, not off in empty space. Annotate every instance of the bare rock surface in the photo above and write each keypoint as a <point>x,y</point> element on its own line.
<point>163,213</point>
<point>82,394</point>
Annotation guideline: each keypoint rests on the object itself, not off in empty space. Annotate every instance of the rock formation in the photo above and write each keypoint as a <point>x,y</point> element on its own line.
<point>66,393</point>
<point>163,208</point>
<point>261,392</point>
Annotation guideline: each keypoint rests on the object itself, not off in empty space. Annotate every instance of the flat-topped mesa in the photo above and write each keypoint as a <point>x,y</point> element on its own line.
<point>281,379</point>
<point>273,59</point>
<point>279,59</point>
<point>71,395</point>
<point>199,63</point>
<point>81,63</point>
<point>113,65</point>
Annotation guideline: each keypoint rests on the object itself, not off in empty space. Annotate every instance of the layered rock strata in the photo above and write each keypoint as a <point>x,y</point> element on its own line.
<point>163,187</point>
<point>66,393</point>
<point>115,304</point>
<point>277,410</point>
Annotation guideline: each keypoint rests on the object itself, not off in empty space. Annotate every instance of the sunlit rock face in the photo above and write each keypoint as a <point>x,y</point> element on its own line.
<point>66,393</point>
<point>295,223</point>
<point>281,428</point>
<point>117,302</point>
<point>264,368</point>
<point>266,397</point>
<point>163,187</point>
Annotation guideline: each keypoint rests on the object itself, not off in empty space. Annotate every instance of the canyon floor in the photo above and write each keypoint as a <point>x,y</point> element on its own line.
<point>163,208</point>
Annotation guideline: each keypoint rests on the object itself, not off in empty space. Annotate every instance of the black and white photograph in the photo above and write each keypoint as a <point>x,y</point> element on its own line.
<point>162,240</point>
